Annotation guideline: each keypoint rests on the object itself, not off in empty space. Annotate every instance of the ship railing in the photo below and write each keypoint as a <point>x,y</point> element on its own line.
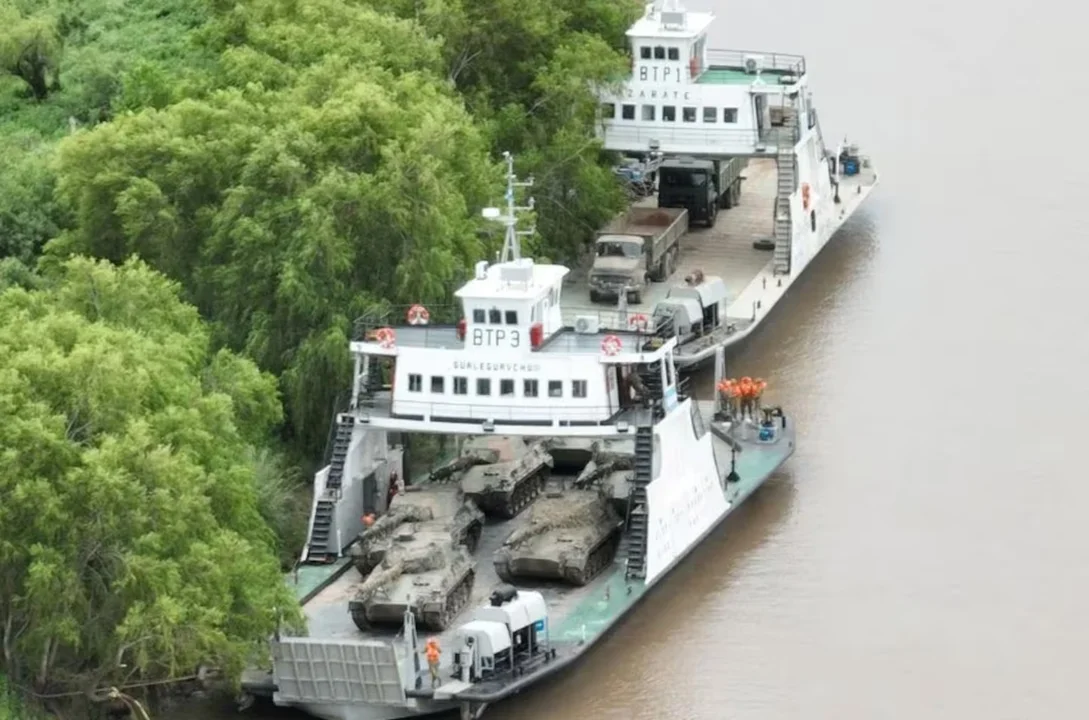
<point>780,62</point>
<point>729,141</point>
<point>520,411</point>
<point>397,316</point>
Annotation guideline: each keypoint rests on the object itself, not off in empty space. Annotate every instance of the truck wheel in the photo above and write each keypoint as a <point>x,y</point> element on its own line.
<point>736,190</point>
<point>727,199</point>
<point>594,296</point>
<point>712,215</point>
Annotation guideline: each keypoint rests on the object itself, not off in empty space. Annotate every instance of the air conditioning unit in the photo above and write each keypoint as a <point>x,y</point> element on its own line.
<point>754,64</point>
<point>587,324</point>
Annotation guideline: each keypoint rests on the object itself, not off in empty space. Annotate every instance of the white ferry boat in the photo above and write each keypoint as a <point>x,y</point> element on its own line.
<point>525,569</point>
<point>687,103</point>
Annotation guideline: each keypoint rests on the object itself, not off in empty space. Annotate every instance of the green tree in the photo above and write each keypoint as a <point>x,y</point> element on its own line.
<point>289,207</point>
<point>30,47</point>
<point>133,545</point>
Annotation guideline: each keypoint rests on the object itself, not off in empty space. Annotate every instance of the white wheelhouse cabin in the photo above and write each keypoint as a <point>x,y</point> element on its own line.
<point>509,365</point>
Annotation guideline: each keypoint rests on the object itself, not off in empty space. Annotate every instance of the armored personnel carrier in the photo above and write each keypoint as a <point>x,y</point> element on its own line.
<point>501,473</point>
<point>423,571</point>
<point>569,535</point>
<point>436,505</point>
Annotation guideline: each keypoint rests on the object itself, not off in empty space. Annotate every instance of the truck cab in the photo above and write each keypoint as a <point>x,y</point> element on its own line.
<point>619,265</point>
<point>701,186</point>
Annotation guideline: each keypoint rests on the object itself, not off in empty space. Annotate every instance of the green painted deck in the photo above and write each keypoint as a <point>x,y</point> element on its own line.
<point>735,76</point>
<point>307,580</point>
<point>595,614</point>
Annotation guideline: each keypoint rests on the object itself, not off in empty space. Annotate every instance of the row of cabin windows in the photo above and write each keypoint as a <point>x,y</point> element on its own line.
<point>659,52</point>
<point>494,317</point>
<point>648,113</point>
<point>530,388</point>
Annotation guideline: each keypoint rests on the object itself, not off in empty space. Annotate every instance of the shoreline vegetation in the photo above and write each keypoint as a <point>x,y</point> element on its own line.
<point>197,197</point>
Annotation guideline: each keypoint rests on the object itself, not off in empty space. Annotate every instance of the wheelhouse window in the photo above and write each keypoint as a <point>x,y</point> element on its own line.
<point>729,115</point>
<point>478,316</point>
<point>674,53</point>
<point>645,52</point>
<point>415,382</point>
<point>506,388</point>
<point>483,386</point>
<point>627,112</point>
<point>710,115</point>
<point>608,111</point>
<point>461,386</point>
<point>438,384</point>
<point>495,317</point>
<point>669,113</point>
<point>555,388</point>
<point>529,388</point>
<point>578,388</point>
<point>648,113</point>
<point>689,114</point>
<point>659,52</point>
<point>511,317</point>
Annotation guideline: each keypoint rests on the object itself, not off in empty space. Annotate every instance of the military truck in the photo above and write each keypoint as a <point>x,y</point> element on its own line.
<point>569,535</point>
<point>700,186</point>
<point>423,571</point>
<point>694,313</point>
<point>438,504</point>
<point>637,247</point>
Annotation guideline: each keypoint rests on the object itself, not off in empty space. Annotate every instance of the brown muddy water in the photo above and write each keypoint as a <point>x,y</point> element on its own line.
<point>925,553</point>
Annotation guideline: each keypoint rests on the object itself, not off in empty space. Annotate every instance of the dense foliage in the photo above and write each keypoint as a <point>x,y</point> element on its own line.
<point>133,541</point>
<point>289,164</point>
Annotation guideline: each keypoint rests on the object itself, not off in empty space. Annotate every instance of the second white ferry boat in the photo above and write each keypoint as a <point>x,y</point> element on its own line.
<point>693,114</point>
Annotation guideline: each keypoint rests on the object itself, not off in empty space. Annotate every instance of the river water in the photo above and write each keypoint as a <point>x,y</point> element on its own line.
<point>925,552</point>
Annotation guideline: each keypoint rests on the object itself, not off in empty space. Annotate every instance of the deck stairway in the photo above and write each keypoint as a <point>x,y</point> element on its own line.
<point>651,376</point>
<point>321,547</point>
<point>637,502</point>
<point>784,229</point>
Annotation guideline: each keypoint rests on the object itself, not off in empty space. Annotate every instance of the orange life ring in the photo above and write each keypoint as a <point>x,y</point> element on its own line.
<point>805,196</point>
<point>385,337</point>
<point>418,315</point>
<point>610,345</point>
<point>639,322</point>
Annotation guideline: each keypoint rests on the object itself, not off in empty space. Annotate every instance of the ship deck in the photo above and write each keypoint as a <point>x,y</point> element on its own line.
<point>577,615</point>
<point>725,250</point>
<point>721,75</point>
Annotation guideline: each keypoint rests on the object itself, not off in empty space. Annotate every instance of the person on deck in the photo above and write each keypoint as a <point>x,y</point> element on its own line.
<point>432,651</point>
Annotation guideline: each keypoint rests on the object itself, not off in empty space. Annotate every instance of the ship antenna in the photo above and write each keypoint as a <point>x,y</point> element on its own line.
<point>512,247</point>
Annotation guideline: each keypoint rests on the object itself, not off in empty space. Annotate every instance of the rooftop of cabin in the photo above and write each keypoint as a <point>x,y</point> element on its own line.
<point>676,24</point>
<point>727,67</point>
<point>514,280</point>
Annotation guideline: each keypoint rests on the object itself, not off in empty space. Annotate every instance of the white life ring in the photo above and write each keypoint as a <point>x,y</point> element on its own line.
<point>385,337</point>
<point>418,315</point>
<point>611,345</point>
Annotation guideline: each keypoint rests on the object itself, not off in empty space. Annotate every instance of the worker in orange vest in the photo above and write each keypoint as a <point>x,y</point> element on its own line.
<point>432,651</point>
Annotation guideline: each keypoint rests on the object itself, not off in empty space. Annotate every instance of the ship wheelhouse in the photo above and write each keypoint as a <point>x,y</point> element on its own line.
<point>683,97</point>
<point>505,358</point>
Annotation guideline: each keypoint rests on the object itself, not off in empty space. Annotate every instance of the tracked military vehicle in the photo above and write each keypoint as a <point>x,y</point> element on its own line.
<point>501,473</point>
<point>569,535</point>
<point>610,468</point>
<point>434,504</point>
<point>423,571</point>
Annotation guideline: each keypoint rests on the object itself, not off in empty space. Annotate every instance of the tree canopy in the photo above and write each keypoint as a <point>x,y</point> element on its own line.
<point>287,165</point>
<point>133,544</point>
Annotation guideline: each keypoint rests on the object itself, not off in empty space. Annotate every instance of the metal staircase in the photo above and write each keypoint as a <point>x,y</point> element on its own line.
<point>651,377</point>
<point>637,502</point>
<point>784,229</point>
<point>321,546</point>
